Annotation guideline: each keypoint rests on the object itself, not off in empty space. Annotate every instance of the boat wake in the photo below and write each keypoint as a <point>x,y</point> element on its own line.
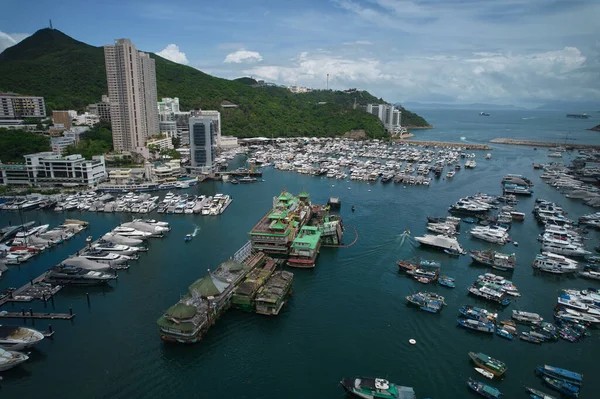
<point>463,138</point>
<point>196,230</point>
<point>528,118</point>
<point>406,240</point>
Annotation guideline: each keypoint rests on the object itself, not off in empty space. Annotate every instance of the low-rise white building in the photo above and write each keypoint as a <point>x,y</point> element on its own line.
<point>162,143</point>
<point>86,119</point>
<point>50,169</point>
<point>298,89</point>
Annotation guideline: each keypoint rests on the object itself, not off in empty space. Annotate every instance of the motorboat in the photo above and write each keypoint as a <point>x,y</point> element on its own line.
<point>104,245</point>
<point>477,325</point>
<point>441,241</point>
<point>492,365</point>
<point>484,390</point>
<point>16,338</point>
<point>131,232</point>
<point>553,263</point>
<point>497,260</point>
<point>110,258</point>
<point>493,234</point>
<point>73,275</point>
<point>10,359</point>
<point>526,317</point>
<point>364,387</point>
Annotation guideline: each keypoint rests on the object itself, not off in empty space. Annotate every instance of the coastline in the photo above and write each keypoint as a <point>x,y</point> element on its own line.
<point>504,140</point>
<point>447,144</point>
<point>420,127</point>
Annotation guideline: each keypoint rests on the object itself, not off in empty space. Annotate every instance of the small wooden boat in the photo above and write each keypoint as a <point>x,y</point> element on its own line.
<point>484,373</point>
<point>469,220</point>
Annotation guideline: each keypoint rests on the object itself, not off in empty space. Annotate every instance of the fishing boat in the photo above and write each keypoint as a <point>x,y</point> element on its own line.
<point>370,388</point>
<point>427,301</point>
<point>485,373</point>
<point>492,365</point>
<point>484,390</point>
<point>188,237</point>
<point>560,373</point>
<point>17,338</point>
<point>504,333</point>
<point>563,387</point>
<point>477,314</point>
<point>10,359</point>
<point>526,336</point>
<point>446,281</point>
<point>477,325</point>
<point>469,220</point>
<point>494,259</point>
<point>537,394</point>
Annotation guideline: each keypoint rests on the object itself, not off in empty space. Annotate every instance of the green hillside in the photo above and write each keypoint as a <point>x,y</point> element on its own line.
<point>70,74</point>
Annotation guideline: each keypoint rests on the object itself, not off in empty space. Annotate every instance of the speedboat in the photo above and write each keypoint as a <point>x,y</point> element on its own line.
<point>17,338</point>
<point>10,359</point>
<point>188,237</point>
<point>441,242</point>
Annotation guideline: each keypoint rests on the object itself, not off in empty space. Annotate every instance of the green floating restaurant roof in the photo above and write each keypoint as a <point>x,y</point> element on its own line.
<point>181,311</point>
<point>276,214</point>
<point>285,196</point>
<point>308,235</point>
<point>185,326</point>
<point>278,225</point>
<point>208,285</point>
<point>232,265</point>
<point>303,194</point>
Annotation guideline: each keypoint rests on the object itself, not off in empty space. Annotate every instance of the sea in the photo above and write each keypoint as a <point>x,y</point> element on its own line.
<point>347,317</point>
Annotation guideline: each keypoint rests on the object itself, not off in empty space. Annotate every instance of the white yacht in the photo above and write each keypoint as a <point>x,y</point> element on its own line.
<point>103,245</point>
<point>493,234</point>
<point>567,248</point>
<point>553,263</point>
<point>131,232</point>
<point>32,231</point>
<point>527,317</point>
<point>17,338</point>
<point>441,241</point>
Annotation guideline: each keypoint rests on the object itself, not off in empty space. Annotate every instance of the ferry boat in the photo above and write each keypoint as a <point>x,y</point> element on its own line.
<point>490,364</point>
<point>484,390</point>
<point>497,260</point>
<point>17,338</point>
<point>10,359</point>
<point>365,388</point>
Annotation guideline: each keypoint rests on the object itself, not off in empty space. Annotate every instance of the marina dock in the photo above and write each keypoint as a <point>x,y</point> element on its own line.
<point>444,144</point>
<point>570,146</point>
<point>34,289</point>
<point>33,315</point>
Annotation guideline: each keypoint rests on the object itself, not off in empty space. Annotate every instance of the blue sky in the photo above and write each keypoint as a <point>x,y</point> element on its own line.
<point>497,51</point>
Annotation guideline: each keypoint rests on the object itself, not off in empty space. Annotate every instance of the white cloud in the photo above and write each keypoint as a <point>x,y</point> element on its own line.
<point>243,56</point>
<point>10,39</point>
<point>358,42</point>
<point>172,53</point>
<point>482,76</point>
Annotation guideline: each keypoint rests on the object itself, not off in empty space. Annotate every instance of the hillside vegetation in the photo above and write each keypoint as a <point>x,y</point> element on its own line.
<point>70,74</point>
<point>16,143</point>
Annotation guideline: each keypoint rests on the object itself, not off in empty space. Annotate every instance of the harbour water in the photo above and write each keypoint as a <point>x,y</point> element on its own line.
<point>347,317</point>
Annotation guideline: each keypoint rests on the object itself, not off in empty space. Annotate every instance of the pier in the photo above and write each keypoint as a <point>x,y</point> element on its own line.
<point>445,144</point>
<point>34,289</point>
<point>503,140</point>
<point>33,315</point>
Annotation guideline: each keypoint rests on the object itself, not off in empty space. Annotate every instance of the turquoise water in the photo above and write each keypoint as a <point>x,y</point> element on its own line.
<point>347,317</point>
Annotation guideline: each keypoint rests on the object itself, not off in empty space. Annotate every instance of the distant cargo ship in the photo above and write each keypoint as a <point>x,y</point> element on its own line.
<point>578,116</point>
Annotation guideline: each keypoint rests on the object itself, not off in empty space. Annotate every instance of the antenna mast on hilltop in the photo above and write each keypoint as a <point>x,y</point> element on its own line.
<point>51,24</point>
<point>327,81</point>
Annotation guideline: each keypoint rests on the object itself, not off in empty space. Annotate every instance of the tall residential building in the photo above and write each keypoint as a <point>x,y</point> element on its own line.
<point>202,142</point>
<point>389,115</point>
<point>14,106</point>
<point>131,79</point>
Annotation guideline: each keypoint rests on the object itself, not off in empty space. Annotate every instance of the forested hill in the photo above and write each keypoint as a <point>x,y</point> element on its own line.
<point>70,74</point>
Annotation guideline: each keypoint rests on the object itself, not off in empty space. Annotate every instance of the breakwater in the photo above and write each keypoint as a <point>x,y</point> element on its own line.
<point>444,144</point>
<point>502,140</point>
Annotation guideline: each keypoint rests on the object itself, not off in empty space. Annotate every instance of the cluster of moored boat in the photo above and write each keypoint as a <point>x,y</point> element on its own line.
<point>99,261</point>
<point>14,339</point>
<point>28,240</point>
<point>363,161</point>
<point>493,288</point>
<point>578,181</point>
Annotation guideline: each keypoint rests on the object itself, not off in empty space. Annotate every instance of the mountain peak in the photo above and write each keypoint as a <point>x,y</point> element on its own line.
<point>38,45</point>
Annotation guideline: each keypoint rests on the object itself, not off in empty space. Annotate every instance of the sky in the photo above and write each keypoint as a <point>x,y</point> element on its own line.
<point>521,52</point>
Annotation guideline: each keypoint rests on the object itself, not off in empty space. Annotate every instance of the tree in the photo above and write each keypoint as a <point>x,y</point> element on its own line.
<point>176,142</point>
